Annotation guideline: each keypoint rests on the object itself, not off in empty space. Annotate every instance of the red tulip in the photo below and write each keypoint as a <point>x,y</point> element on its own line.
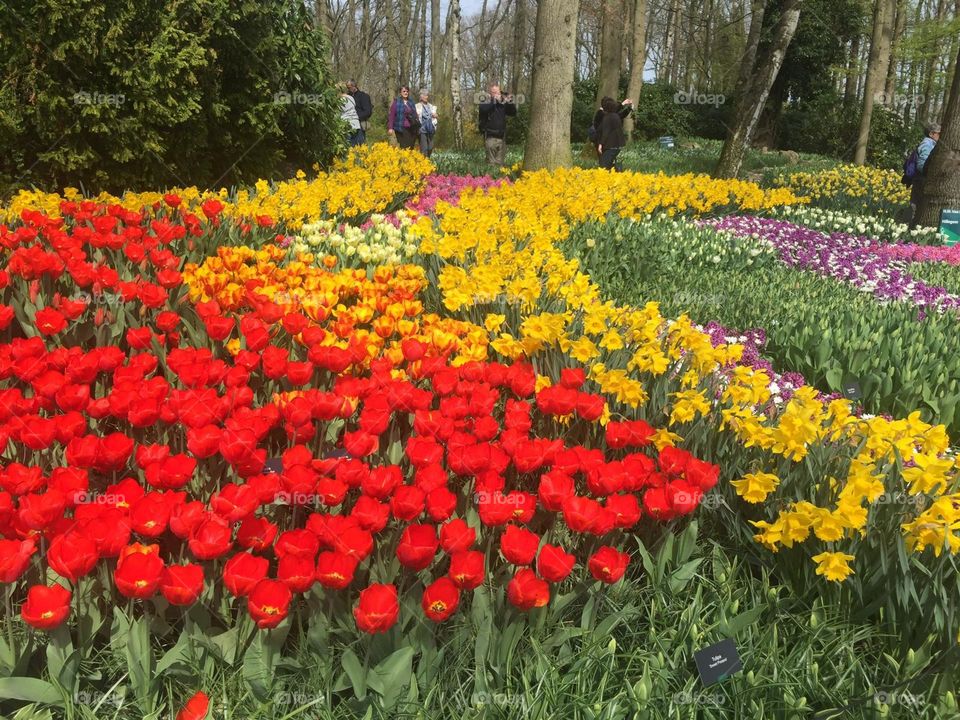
<point>608,564</point>
<point>182,584</point>
<point>418,546</point>
<point>197,706</point>
<point>335,570</point>
<point>46,607</point>
<point>440,599</point>
<point>243,571</point>
<point>138,574</point>
<point>518,545</point>
<point>554,564</point>
<point>466,569</point>
<point>378,609</point>
<point>268,603</point>
<point>72,555</point>
<point>526,591</point>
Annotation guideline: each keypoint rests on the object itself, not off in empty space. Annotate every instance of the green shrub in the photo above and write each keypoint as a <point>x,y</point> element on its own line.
<point>130,94</point>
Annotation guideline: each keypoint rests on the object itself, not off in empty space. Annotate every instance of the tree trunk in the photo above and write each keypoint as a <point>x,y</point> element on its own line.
<point>554,58</point>
<point>454,35</point>
<point>930,71</point>
<point>761,77</point>
<point>853,74</point>
<point>942,187</point>
<point>519,47</point>
<point>638,59</point>
<point>611,48</point>
<point>758,9</point>
<point>952,64</point>
<point>890,87</point>
<point>875,78</point>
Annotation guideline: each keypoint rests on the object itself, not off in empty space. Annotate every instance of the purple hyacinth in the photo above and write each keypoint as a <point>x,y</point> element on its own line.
<point>848,258</point>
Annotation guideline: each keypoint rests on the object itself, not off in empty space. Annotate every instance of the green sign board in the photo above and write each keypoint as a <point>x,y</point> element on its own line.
<point>950,226</point>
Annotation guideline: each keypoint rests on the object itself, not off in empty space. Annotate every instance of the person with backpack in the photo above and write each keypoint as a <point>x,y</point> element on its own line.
<point>403,122</point>
<point>493,124</point>
<point>364,108</point>
<point>593,131</point>
<point>348,113</point>
<point>610,136</point>
<point>427,114</point>
<point>915,168</point>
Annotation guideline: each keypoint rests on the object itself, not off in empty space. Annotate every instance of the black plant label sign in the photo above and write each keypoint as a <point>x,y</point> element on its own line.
<point>718,662</point>
<point>273,465</point>
<point>851,389</point>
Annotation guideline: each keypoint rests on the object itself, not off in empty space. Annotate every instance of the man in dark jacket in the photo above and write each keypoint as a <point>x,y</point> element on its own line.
<point>625,107</point>
<point>610,137</point>
<point>493,124</point>
<point>364,108</point>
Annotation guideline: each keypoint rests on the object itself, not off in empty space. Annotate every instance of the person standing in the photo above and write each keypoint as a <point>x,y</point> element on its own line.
<point>919,178</point>
<point>625,107</point>
<point>493,124</point>
<point>364,107</point>
<point>403,122</point>
<point>348,113</point>
<point>427,114</point>
<point>610,137</point>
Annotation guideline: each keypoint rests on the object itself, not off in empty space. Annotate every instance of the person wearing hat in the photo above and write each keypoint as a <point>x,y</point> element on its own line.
<point>428,122</point>
<point>924,149</point>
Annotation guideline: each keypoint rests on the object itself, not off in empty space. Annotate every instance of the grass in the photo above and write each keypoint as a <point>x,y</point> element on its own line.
<point>603,653</point>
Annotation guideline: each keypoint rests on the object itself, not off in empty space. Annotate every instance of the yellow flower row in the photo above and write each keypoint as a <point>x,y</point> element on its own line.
<point>858,182</point>
<point>499,264</point>
<point>369,180</point>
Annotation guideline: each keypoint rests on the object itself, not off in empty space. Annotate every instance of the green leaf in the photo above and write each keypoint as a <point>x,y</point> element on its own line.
<point>389,678</point>
<point>356,672</point>
<point>30,689</point>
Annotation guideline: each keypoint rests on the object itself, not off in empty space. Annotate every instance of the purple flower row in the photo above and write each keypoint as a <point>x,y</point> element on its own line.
<point>840,256</point>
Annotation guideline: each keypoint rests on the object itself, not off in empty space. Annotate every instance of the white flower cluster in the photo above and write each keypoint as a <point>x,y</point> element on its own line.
<point>878,228</point>
<point>380,240</point>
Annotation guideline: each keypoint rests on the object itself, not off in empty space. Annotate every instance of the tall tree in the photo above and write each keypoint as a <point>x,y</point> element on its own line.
<point>554,59</point>
<point>942,187</point>
<point>518,50</point>
<point>638,57</point>
<point>876,74</point>
<point>757,81</point>
<point>453,32</point>
<point>611,48</point>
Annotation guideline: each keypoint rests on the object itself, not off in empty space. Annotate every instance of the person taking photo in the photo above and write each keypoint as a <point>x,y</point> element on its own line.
<point>493,124</point>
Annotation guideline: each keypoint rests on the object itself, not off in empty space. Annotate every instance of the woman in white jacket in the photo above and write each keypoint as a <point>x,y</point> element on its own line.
<point>428,122</point>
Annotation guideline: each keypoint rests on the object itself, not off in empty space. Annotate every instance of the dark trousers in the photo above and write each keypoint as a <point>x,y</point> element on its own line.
<point>356,138</point>
<point>916,194</point>
<point>608,158</point>
<point>407,139</point>
<point>426,143</point>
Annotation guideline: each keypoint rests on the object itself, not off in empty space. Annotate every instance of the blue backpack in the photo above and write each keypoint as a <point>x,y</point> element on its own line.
<point>910,168</point>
